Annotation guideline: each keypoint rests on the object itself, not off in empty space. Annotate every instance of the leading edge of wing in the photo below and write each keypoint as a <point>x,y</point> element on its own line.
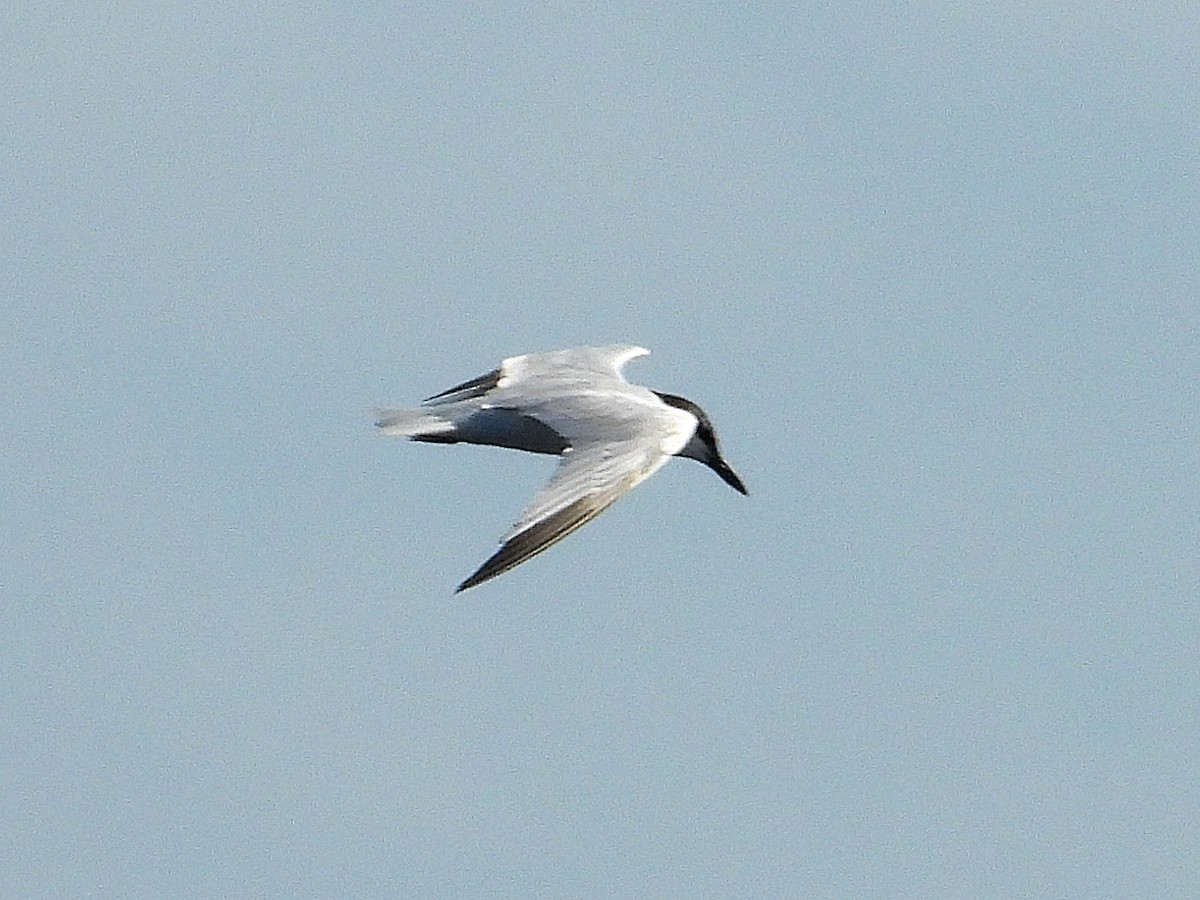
<point>617,355</point>
<point>549,531</point>
<point>604,362</point>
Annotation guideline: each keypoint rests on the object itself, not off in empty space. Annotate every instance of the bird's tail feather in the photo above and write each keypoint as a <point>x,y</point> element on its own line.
<point>417,424</point>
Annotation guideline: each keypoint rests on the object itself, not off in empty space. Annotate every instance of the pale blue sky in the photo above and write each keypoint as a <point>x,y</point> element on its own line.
<point>932,270</point>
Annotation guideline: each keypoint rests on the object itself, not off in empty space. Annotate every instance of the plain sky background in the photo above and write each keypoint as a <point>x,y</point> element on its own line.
<point>932,269</point>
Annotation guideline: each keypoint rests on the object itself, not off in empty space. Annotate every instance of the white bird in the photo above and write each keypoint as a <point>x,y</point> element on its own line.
<point>574,403</point>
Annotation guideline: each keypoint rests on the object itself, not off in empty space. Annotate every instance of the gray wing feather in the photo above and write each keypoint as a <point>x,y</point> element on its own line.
<point>584,471</point>
<point>547,532</point>
<point>586,483</point>
<point>577,362</point>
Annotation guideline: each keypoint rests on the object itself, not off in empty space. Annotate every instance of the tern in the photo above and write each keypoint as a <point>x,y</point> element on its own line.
<point>576,404</point>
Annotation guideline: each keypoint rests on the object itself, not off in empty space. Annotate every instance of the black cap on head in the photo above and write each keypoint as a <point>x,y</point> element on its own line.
<point>704,446</point>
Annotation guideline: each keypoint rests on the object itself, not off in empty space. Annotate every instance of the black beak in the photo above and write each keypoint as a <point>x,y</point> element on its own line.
<point>727,474</point>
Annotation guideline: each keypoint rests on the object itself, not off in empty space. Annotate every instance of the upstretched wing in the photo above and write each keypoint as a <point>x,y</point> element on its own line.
<point>587,482</point>
<point>591,365</point>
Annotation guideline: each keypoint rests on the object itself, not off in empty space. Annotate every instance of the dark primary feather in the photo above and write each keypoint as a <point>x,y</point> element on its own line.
<point>468,390</point>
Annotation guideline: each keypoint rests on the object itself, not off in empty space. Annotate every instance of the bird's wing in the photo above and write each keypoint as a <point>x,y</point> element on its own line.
<point>589,363</point>
<point>555,369</point>
<point>588,480</point>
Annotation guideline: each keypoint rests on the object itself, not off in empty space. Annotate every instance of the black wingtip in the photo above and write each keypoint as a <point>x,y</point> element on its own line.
<point>468,390</point>
<point>478,577</point>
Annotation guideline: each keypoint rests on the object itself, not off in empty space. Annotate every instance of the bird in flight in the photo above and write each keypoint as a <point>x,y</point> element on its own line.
<point>575,404</point>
